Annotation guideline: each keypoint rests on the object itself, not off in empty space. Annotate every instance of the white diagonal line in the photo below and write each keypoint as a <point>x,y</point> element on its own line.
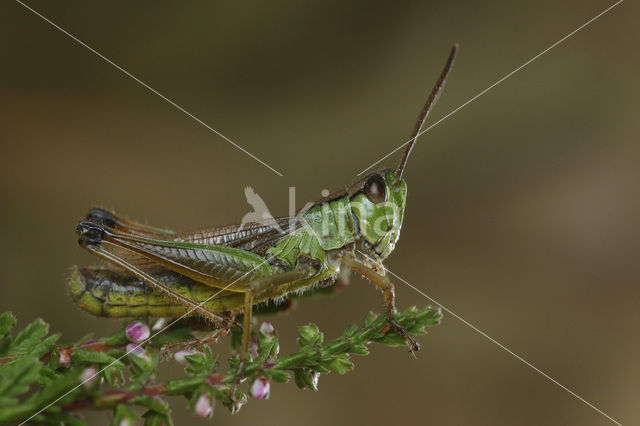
<point>496,83</point>
<point>509,351</point>
<point>275,171</point>
<point>150,88</point>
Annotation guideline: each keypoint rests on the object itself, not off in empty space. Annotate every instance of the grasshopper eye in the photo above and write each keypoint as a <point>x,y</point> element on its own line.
<point>375,189</point>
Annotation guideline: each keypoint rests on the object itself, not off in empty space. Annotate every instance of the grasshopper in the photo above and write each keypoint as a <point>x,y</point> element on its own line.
<point>219,272</point>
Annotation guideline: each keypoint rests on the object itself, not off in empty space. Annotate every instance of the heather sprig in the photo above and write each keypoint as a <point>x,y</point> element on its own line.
<point>36,371</point>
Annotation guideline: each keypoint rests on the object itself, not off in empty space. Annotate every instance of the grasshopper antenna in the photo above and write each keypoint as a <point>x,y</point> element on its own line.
<point>433,98</point>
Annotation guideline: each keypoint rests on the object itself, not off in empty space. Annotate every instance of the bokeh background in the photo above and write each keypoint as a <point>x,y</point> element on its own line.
<point>523,207</point>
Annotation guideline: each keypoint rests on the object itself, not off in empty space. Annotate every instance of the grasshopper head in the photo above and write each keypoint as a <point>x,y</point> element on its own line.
<point>379,207</point>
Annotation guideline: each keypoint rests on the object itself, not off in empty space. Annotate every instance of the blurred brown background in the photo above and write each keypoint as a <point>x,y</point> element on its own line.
<point>523,207</point>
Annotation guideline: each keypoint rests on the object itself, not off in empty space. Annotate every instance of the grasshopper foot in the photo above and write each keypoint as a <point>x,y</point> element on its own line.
<point>411,342</point>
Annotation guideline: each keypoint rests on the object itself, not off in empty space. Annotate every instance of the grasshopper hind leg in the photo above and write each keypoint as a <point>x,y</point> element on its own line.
<point>254,290</point>
<point>210,339</point>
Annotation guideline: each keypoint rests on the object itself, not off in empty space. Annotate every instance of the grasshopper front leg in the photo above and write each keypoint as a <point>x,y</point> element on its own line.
<point>362,265</point>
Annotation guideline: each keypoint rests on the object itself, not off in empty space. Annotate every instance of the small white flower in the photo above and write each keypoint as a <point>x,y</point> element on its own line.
<point>204,406</point>
<point>181,356</point>
<point>267,330</point>
<point>159,324</point>
<point>261,388</point>
<point>88,377</point>
<point>237,405</point>
<point>138,351</point>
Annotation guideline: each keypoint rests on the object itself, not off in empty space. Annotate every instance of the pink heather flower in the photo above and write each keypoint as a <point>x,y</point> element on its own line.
<point>137,332</point>
<point>267,330</point>
<point>181,356</point>
<point>125,422</point>
<point>137,350</point>
<point>204,406</point>
<point>88,377</point>
<point>261,388</point>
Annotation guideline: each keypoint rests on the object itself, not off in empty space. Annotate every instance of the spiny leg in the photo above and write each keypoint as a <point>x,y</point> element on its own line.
<point>197,323</point>
<point>361,265</point>
<point>254,290</point>
<point>196,343</point>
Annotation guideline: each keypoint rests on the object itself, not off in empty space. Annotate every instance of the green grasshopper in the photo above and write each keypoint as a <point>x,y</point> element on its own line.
<point>219,272</point>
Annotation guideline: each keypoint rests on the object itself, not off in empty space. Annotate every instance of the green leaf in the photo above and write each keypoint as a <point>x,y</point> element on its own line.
<point>143,369</point>
<point>123,415</point>
<point>280,376</point>
<point>153,418</point>
<point>7,321</point>
<point>201,363</point>
<point>340,345</point>
<point>392,339</point>
<point>359,349</point>
<point>117,339</point>
<point>6,401</point>
<point>222,395</point>
<point>41,399</point>
<point>305,378</point>
<point>88,356</point>
<point>48,375</point>
<point>17,375</point>
<point>339,364</point>
<point>309,335</point>
<point>371,317</point>
<point>45,346</point>
<point>183,385</point>
<point>113,375</point>
<point>66,384</point>
<point>154,404</point>
<point>350,331</point>
<point>28,338</point>
<point>298,374</point>
<point>59,418</point>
